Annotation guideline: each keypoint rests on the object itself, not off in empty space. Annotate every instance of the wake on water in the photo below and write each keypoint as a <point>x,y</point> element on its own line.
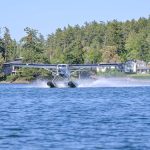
<point>99,82</point>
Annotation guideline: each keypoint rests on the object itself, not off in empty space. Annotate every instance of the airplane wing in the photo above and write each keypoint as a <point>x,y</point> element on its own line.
<point>72,67</point>
<point>44,66</point>
<point>91,66</point>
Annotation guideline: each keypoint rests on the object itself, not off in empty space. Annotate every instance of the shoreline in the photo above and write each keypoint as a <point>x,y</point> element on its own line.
<point>15,82</point>
<point>133,76</point>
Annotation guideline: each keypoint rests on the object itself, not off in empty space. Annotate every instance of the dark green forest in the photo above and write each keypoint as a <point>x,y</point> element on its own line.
<point>93,42</point>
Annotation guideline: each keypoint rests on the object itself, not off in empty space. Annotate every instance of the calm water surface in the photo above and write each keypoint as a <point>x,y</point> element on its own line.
<point>81,118</point>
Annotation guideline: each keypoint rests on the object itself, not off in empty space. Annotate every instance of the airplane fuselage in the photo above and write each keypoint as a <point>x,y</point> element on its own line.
<point>63,70</point>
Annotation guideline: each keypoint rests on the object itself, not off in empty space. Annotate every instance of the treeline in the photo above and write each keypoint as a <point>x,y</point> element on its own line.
<point>93,42</point>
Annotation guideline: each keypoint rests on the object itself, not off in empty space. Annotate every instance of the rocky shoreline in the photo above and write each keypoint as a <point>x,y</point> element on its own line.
<point>16,82</point>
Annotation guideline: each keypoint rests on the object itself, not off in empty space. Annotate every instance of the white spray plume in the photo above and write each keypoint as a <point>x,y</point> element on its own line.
<point>98,82</point>
<point>113,82</point>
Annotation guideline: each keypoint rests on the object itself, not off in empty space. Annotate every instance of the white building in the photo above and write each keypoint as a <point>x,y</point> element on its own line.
<point>130,67</point>
<point>136,66</point>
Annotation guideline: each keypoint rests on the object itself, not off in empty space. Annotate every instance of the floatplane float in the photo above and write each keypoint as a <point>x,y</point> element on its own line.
<point>62,71</point>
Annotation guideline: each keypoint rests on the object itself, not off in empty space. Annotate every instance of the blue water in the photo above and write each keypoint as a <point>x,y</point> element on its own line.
<point>106,118</point>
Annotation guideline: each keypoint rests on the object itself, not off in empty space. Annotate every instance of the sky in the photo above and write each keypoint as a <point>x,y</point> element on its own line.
<point>48,15</point>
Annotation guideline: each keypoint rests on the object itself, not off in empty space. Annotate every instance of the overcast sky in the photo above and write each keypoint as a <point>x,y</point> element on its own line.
<point>48,15</point>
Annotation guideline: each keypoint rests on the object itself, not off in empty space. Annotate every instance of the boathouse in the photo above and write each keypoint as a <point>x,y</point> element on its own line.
<point>9,69</point>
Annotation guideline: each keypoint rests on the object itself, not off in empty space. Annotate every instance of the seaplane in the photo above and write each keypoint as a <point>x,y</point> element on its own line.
<point>63,72</point>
